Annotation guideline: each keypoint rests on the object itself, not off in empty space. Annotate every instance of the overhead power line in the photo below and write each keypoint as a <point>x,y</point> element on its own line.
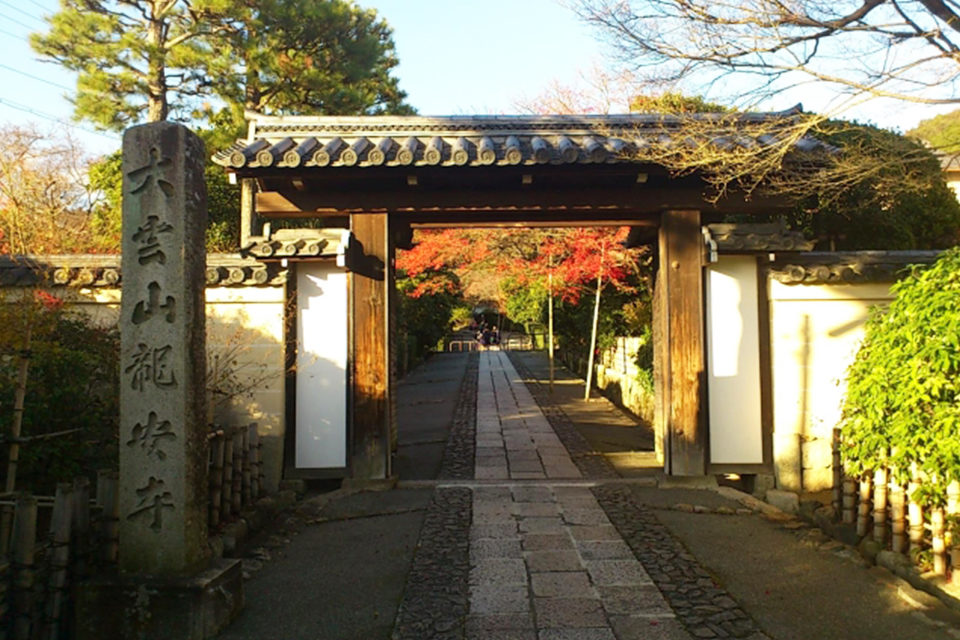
<point>21,11</point>
<point>15,21</point>
<point>51,82</point>
<point>26,109</point>
<point>37,78</point>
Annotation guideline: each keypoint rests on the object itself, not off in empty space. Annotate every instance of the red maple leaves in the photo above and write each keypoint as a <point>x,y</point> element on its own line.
<point>574,257</point>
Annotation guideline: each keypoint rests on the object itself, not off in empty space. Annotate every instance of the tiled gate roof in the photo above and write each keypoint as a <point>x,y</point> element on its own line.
<point>453,141</point>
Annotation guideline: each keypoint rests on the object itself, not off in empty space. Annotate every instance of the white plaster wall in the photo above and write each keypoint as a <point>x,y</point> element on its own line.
<point>733,361</point>
<point>815,331</point>
<point>244,326</point>
<point>245,335</point>
<point>321,435</point>
<point>953,181</point>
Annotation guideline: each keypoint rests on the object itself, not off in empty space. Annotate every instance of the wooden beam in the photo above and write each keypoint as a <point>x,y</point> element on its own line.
<point>525,221</point>
<point>681,277</point>
<point>247,211</point>
<point>661,354</point>
<point>370,367</point>
<point>638,199</point>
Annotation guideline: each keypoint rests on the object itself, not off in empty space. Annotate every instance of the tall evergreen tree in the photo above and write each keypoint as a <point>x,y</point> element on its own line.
<point>131,56</point>
<point>143,60</point>
<point>212,61</point>
<point>305,56</point>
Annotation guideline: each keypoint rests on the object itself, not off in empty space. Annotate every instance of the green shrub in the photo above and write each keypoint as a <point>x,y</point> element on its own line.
<point>526,302</point>
<point>461,316</point>
<point>72,384</point>
<point>425,308</point>
<point>903,389</point>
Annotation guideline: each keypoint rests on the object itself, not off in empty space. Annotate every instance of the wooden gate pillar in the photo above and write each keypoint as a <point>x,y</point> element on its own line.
<point>371,278</point>
<point>679,325</point>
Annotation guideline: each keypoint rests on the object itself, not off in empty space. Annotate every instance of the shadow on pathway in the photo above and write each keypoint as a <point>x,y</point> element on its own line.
<point>336,566</point>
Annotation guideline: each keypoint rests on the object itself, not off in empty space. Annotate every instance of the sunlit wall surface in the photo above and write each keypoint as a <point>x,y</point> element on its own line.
<point>815,333</point>
<point>733,361</point>
<point>321,436</point>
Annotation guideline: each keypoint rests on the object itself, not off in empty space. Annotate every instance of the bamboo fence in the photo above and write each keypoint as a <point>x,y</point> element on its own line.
<point>57,541</point>
<point>896,516</point>
<point>236,472</point>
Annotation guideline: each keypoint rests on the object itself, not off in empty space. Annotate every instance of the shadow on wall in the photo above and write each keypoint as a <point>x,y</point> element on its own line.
<point>246,367</point>
<point>245,357</point>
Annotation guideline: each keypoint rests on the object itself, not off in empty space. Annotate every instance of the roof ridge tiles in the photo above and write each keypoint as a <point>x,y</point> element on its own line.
<point>320,141</point>
<point>490,123</point>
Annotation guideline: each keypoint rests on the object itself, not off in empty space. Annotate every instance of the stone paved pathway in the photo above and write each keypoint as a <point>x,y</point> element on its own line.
<point>546,563</point>
<point>526,549</point>
<point>514,439</point>
<point>551,556</point>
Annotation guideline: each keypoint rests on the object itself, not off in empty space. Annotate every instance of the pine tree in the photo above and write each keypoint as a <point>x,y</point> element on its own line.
<point>148,60</point>
<point>134,59</point>
<point>304,56</point>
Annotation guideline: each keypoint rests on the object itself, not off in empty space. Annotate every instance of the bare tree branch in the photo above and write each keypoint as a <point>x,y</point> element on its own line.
<point>882,48</point>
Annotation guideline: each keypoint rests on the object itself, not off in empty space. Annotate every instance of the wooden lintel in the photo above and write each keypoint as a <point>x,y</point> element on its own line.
<point>637,199</point>
<point>527,223</point>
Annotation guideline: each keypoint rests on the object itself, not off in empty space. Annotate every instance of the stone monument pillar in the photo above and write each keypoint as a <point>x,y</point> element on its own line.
<point>168,586</point>
<point>163,443</point>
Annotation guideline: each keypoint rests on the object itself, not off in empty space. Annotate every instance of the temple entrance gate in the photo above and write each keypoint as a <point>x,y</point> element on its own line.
<point>375,179</point>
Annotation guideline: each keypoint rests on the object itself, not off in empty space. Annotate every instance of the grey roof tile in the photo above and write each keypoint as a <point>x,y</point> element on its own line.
<point>295,142</point>
<point>847,267</point>
<point>96,271</point>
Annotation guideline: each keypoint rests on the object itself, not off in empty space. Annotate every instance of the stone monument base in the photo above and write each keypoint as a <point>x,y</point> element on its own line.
<point>151,608</point>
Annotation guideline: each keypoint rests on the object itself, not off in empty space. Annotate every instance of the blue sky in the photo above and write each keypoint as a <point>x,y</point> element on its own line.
<point>456,57</point>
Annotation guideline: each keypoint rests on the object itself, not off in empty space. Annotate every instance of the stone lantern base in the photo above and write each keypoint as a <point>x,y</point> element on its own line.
<point>151,608</point>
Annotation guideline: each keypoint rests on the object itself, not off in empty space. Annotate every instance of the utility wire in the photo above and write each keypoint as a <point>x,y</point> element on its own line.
<point>38,5</point>
<point>47,116</point>
<point>17,36</point>
<point>51,82</point>
<point>15,21</point>
<point>21,11</point>
<point>37,78</point>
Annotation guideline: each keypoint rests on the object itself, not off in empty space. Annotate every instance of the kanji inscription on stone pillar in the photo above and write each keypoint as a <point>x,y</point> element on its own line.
<point>163,444</point>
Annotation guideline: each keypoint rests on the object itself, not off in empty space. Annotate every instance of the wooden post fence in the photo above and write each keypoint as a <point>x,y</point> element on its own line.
<point>60,529</point>
<point>108,500</point>
<point>37,578</point>
<point>23,546</point>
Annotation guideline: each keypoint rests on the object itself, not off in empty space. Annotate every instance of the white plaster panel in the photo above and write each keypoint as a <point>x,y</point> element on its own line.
<point>733,362</point>
<point>321,435</point>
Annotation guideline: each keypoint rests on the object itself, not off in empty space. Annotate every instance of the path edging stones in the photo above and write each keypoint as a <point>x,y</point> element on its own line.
<point>436,598</point>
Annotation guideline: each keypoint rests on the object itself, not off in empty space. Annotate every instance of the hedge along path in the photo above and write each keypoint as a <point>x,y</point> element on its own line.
<point>901,416</point>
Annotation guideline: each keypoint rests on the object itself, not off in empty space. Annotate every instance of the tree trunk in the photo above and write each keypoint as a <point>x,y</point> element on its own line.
<point>550,325</point>
<point>20,393</point>
<point>13,452</point>
<point>251,91</point>
<point>252,95</point>
<point>593,333</point>
<point>157,108</point>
